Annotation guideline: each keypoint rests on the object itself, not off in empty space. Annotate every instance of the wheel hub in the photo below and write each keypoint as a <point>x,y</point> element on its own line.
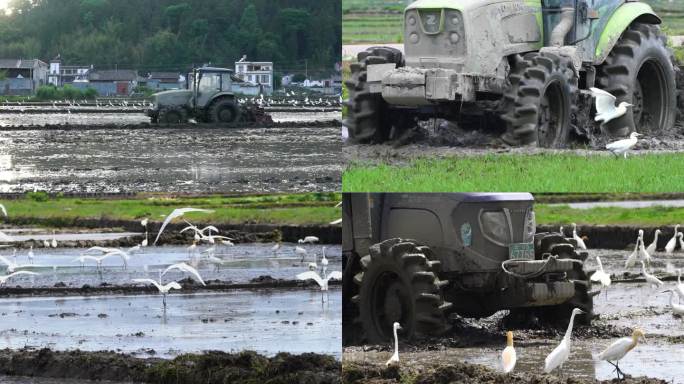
<point>226,115</point>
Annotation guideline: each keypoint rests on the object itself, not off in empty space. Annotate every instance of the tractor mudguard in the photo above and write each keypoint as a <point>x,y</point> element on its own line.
<point>618,23</point>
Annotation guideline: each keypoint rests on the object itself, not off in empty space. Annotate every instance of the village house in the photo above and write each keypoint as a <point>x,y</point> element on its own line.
<point>22,77</point>
<point>162,81</point>
<point>111,82</point>
<point>61,75</point>
<point>256,73</point>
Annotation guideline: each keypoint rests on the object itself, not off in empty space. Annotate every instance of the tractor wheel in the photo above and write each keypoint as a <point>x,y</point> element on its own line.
<point>556,244</point>
<point>368,117</point>
<point>639,71</point>
<point>224,111</point>
<point>398,283</point>
<point>172,116</point>
<point>539,102</point>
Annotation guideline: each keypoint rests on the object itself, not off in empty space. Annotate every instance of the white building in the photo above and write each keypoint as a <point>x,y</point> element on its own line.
<point>66,74</point>
<point>259,73</point>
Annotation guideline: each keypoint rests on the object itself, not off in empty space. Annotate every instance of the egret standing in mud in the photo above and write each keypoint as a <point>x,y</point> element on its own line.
<point>508,357</point>
<point>394,360</point>
<point>144,224</point>
<point>322,281</point>
<point>616,351</point>
<point>580,242</point>
<point>275,248</point>
<point>651,280</point>
<point>301,251</point>
<point>651,249</point>
<point>178,213</point>
<point>30,255</point>
<point>54,240</point>
<point>680,287</point>
<point>163,289</point>
<point>631,260</point>
<point>560,354</point>
<point>183,267</point>
<point>677,309</point>
<point>3,279</point>
<point>601,276</point>
<point>672,243</point>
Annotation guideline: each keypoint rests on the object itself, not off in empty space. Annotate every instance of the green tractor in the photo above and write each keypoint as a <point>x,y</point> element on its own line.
<point>208,98</point>
<point>532,61</point>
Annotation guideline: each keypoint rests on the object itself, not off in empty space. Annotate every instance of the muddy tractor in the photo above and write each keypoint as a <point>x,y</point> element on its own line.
<point>208,99</point>
<point>421,259</point>
<point>527,63</point>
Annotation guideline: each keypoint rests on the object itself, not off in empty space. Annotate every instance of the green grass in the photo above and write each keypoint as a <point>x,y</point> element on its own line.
<point>272,209</point>
<point>534,173</point>
<point>360,28</point>
<point>651,216</point>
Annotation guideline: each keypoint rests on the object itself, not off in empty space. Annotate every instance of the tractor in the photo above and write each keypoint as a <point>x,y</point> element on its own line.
<point>529,62</point>
<point>421,259</point>
<point>208,98</point>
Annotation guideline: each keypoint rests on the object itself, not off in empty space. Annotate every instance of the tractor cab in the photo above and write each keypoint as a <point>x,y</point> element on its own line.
<point>207,82</point>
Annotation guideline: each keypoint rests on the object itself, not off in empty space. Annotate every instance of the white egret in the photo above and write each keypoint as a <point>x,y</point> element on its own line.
<point>580,242</point>
<point>335,222</point>
<point>275,247</point>
<point>211,239</point>
<point>3,209</point>
<point>652,280</point>
<point>163,289</point>
<point>394,360</point>
<point>672,243</point>
<point>97,259</point>
<point>178,213</point>
<point>322,281</point>
<point>631,260</point>
<point>301,251</point>
<point>652,247</point>
<point>324,261</point>
<point>3,279</point>
<point>198,231</point>
<point>144,223</point>
<point>618,349</point>
<point>621,147</point>
<point>30,255</point>
<point>605,106</point>
<point>309,240</point>
<point>46,243</point>
<point>643,254</point>
<point>227,243</point>
<point>600,275</point>
<point>677,309</point>
<point>508,356</point>
<point>183,267</point>
<point>560,354</point>
<point>125,256</point>
<point>680,287</point>
<point>54,240</point>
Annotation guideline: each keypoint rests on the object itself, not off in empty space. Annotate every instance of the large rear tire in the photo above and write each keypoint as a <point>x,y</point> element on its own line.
<point>172,116</point>
<point>368,119</point>
<point>398,283</point>
<point>539,101</point>
<point>224,111</point>
<point>639,71</point>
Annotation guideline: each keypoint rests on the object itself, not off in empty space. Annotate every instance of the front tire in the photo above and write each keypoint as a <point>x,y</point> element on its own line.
<point>538,103</point>
<point>639,71</point>
<point>398,283</point>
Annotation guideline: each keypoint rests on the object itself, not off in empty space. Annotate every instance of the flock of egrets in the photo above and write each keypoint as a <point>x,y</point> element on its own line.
<point>207,235</point>
<point>619,348</point>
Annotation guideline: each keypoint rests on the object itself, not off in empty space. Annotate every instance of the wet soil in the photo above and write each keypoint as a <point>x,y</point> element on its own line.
<point>207,368</point>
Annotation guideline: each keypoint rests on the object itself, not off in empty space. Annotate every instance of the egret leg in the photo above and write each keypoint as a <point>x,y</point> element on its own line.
<point>164,302</point>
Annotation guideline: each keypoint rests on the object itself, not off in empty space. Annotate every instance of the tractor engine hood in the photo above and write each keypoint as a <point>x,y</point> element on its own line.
<point>174,97</point>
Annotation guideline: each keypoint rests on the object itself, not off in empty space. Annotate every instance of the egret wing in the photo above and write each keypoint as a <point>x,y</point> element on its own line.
<point>172,285</point>
<point>556,357</point>
<point>335,275</point>
<point>149,281</point>
<point>616,350</point>
<point>311,275</point>
<point>177,213</point>
<point>509,358</point>
<point>605,102</point>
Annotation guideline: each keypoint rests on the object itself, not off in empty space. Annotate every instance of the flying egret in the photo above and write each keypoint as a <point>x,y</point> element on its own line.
<point>560,354</point>
<point>394,360</point>
<point>618,349</point>
<point>601,276</point>
<point>672,243</point>
<point>183,267</point>
<point>677,309</point>
<point>605,106</point>
<point>652,280</point>
<point>508,356</point>
<point>652,247</point>
<point>580,242</point>
<point>621,147</point>
<point>125,256</point>
<point>322,281</point>
<point>163,289</point>
<point>631,260</point>
<point>211,239</point>
<point>178,213</point>
<point>3,279</point>
<point>97,259</point>
<point>198,231</point>
<point>309,240</point>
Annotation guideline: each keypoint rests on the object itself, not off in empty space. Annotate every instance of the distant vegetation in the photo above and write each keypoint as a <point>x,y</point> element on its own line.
<point>68,92</point>
<point>164,35</point>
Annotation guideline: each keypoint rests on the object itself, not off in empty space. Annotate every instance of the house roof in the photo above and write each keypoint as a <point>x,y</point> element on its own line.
<point>19,63</point>
<point>120,75</point>
<point>165,76</point>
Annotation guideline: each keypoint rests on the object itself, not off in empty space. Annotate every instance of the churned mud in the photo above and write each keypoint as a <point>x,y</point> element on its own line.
<point>207,368</point>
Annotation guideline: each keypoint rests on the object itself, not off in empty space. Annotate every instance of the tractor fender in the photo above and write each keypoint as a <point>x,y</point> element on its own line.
<point>622,18</point>
<point>221,95</point>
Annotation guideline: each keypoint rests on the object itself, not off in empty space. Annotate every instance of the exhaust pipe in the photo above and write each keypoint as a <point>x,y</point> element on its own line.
<point>566,23</point>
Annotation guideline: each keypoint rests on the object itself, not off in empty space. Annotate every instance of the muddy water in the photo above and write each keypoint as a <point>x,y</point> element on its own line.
<point>267,321</point>
<point>242,263</point>
<point>171,160</point>
<point>627,305</point>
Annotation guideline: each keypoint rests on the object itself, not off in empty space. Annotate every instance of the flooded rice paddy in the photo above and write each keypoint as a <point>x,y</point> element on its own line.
<point>627,305</point>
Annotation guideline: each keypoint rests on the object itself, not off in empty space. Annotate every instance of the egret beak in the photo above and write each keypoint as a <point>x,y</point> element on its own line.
<point>399,327</point>
<point>638,134</point>
<point>666,291</point>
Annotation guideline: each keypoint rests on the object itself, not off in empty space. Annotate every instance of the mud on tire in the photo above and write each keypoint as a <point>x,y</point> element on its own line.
<point>538,104</point>
<point>368,118</point>
<point>639,71</point>
<point>224,111</point>
<point>398,282</point>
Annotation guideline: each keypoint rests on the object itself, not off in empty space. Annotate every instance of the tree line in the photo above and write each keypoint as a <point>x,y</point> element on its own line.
<point>166,35</point>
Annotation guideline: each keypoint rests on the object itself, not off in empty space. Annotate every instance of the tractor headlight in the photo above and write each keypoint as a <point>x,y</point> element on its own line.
<point>454,37</point>
<point>494,226</point>
<point>530,226</point>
